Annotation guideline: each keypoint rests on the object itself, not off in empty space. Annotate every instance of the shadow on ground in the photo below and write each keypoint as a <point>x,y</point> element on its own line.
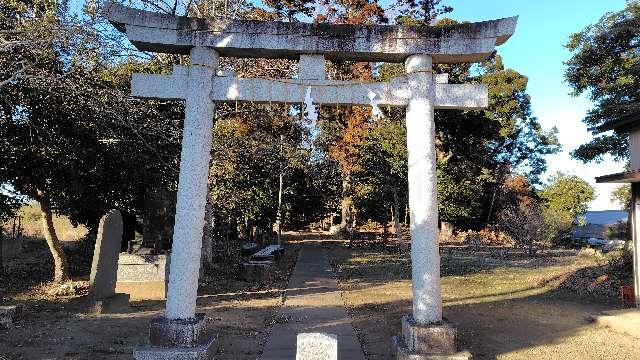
<point>62,327</point>
<point>506,308</point>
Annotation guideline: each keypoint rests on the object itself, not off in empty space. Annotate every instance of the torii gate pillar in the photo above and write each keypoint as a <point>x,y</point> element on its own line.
<point>424,334</point>
<point>425,256</point>
<point>192,186</point>
<point>181,333</point>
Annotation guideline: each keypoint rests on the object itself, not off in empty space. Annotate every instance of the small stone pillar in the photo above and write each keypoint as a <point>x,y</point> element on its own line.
<point>424,334</point>
<point>181,333</point>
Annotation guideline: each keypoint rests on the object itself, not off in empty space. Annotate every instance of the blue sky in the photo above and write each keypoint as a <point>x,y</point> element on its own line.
<point>536,50</point>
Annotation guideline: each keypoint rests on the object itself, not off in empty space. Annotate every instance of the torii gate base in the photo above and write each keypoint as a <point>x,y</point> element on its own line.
<point>178,339</point>
<point>427,342</point>
<point>181,333</point>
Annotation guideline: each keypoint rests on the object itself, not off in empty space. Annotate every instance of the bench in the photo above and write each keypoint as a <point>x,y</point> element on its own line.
<point>260,267</point>
<point>268,253</point>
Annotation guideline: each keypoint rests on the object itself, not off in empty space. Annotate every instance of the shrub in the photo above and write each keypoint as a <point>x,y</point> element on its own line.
<point>524,224</point>
<point>489,236</point>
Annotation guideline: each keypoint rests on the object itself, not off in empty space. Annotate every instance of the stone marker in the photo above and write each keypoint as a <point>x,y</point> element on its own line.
<point>104,269</point>
<point>317,346</point>
<point>9,314</point>
<point>258,271</point>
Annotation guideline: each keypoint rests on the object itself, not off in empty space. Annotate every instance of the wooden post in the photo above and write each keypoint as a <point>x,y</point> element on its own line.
<point>635,234</point>
<point>1,244</point>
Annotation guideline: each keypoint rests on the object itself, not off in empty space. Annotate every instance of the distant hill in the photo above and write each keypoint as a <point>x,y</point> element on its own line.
<point>606,217</point>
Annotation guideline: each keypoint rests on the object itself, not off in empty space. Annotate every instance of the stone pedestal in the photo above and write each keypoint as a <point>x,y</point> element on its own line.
<point>143,276</point>
<point>427,342</point>
<point>184,339</point>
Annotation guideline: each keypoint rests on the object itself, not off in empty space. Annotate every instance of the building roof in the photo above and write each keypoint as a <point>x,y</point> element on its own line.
<point>623,124</point>
<point>632,176</point>
<point>605,217</point>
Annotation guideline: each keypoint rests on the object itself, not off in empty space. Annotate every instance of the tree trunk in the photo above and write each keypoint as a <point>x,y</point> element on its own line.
<point>385,227</point>
<point>207,235</point>
<point>1,244</point>
<point>396,221</point>
<point>60,263</point>
<point>345,205</point>
<point>406,214</point>
<point>279,214</point>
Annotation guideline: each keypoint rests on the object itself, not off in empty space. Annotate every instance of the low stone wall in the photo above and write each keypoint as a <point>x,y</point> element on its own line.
<point>143,276</point>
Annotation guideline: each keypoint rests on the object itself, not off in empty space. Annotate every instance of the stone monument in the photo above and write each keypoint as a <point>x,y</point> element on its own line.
<point>420,91</point>
<point>102,281</point>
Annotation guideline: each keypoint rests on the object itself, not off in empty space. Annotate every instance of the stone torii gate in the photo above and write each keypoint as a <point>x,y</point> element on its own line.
<point>200,85</point>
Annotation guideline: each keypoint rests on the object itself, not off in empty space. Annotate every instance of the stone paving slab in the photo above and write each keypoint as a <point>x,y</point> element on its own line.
<point>312,304</point>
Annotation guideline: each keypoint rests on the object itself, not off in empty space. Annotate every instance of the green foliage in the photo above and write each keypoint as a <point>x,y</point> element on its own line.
<point>421,12</point>
<point>382,172</point>
<point>8,207</point>
<point>565,199</point>
<point>477,150</point>
<point>622,195</point>
<point>568,194</point>
<point>606,65</point>
<point>248,155</point>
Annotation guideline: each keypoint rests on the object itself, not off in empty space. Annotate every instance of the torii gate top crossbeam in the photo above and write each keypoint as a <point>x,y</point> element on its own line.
<point>469,42</point>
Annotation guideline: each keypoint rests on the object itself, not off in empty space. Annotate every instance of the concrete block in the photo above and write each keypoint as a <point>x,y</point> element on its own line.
<point>143,290</point>
<point>432,338</point>
<point>257,271</point>
<point>9,315</point>
<point>317,346</point>
<point>143,276</point>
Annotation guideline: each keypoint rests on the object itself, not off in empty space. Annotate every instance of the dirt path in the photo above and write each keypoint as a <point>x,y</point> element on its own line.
<point>312,304</point>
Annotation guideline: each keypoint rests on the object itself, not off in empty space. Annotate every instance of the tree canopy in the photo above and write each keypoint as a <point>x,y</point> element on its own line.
<point>74,140</point>
<point>605,64</point>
